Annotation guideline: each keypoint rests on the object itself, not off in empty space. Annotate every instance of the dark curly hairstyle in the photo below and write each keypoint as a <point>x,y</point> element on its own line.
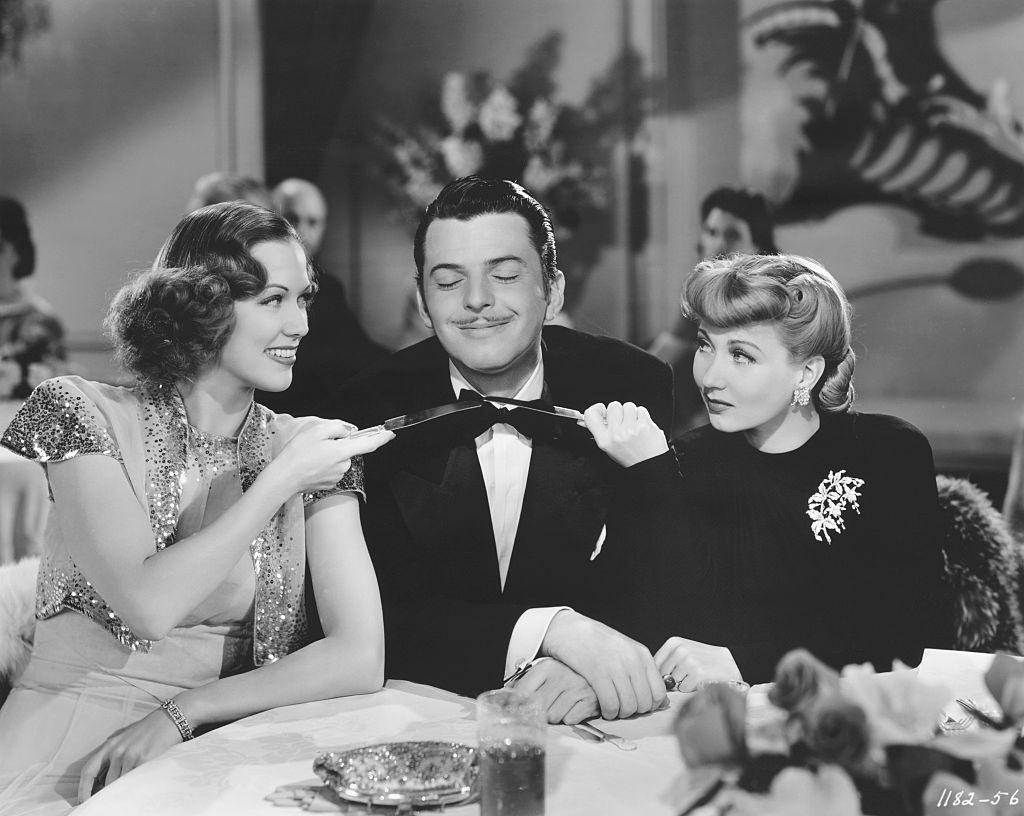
<point>470,196</point>
<point>798,295</point>
<point>173,320</point>
<point>748,206</point>
<point>15,231</point>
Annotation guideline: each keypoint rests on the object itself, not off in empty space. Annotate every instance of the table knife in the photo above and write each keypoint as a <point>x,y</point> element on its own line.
<point>587,735</point>
<point>621,743</point>
<point>415,418</point>
<point>556,410</point>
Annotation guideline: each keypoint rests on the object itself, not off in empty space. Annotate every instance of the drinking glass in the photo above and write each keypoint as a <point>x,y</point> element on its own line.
<point>511,730</point>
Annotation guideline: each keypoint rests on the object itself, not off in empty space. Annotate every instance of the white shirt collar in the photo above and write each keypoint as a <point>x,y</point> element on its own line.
<point>532,389</point>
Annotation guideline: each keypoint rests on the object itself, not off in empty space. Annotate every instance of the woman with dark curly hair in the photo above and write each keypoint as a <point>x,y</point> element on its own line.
<point>170,592</point>
<point>31,335</point>
<point>797,522</point>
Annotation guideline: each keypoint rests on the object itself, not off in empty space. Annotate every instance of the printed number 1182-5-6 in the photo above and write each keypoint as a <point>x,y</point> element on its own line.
<point>962,798</point>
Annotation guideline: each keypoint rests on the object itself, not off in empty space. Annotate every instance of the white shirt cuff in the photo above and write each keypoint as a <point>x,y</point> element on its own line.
<point>528,635</point>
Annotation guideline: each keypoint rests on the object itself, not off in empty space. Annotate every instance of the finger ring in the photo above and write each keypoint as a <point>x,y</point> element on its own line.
<point>670,682</point>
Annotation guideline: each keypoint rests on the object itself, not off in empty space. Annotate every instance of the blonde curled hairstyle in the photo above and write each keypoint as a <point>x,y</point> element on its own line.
<point>798,295</point>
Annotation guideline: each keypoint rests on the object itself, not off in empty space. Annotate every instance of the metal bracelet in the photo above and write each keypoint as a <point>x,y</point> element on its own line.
<point>180,720</point>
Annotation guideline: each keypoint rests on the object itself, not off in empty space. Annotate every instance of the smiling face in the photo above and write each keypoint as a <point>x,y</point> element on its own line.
<point>262,347</point>
<point>483,295</point>
<point>747,379</point>
<point>724,233</point>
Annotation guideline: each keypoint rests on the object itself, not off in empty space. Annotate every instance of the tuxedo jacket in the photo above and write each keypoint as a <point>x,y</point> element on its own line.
<point>427,521</point>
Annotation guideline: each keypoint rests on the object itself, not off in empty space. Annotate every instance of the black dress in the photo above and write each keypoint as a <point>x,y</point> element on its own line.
<point>833,547</point>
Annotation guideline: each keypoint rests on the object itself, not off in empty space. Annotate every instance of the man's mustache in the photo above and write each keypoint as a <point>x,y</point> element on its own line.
<point>482,321</point>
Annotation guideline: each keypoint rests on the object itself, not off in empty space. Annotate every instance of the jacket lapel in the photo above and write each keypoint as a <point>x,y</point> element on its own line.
<point>567,489</point>
<point>440,492</point>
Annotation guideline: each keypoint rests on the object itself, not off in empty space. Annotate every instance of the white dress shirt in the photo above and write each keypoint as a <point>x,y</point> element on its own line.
<point>504,456</point>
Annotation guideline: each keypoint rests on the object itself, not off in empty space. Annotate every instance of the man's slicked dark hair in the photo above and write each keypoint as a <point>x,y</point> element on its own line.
<point>470,196</point>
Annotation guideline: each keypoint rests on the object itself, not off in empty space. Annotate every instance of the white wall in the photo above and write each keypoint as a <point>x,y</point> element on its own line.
<point>106,123</point>
<point>409,48</point>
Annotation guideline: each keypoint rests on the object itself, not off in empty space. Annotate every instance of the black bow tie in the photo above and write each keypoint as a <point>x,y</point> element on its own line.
<point>529,423</point>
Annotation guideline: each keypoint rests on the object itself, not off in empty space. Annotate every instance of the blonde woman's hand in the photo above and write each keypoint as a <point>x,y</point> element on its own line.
<point>693,664</point>
<point>127,749</point>
<point>319,455</point>
<point>625,432</point>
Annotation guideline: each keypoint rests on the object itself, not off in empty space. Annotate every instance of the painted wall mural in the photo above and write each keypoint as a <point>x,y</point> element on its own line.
<point>878,113</point>
<point>888,135</point>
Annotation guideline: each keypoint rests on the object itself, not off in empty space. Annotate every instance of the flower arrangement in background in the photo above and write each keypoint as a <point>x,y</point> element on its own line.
<point>856,744</point>
<point>517,129</point>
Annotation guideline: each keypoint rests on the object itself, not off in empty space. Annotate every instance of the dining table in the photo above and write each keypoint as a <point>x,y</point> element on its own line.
<point>263,764</point>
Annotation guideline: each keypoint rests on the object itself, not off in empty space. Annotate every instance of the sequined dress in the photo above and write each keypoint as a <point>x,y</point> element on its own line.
<point>89,674</point>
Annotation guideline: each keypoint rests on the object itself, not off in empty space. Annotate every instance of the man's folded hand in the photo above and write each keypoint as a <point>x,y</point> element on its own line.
<point>561,692</point>
<point>620,671</point>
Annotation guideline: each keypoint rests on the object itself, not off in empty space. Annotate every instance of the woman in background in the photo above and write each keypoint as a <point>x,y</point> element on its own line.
<point>170,592</point>
<point>803,523</point>
<point>31,336</point>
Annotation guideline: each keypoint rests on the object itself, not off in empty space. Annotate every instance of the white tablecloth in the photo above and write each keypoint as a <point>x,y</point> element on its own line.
<point>231,770</point>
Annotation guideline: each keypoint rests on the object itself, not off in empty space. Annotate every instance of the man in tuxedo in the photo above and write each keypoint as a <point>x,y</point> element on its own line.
<point>501,537</point>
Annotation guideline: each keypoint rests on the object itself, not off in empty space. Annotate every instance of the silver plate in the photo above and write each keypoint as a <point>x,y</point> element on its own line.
<point>401,773</point>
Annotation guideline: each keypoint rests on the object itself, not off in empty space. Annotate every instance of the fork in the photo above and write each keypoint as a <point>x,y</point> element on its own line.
<point>968,705</point>
<point>949,724</point>
<point>619,742</point>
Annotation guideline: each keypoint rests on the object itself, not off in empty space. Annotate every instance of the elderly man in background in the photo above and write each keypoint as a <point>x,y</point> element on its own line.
<point>220,186</point>
<point>336,346</point>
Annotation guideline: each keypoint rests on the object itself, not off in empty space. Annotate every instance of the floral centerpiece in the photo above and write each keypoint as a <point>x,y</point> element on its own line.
<point>855,744</point>
<point>516,128</point>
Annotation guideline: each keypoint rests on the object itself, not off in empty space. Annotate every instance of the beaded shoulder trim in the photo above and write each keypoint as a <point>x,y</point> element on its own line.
<point>57,423</point>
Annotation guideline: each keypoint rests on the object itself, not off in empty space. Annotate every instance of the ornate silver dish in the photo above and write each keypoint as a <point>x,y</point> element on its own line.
<point>401,774</point>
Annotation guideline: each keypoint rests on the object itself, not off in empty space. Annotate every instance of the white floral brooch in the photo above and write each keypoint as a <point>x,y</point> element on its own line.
<point>835,493</point>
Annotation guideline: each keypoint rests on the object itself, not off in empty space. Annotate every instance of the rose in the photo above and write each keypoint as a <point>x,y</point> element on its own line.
<point>540,124</point>
<point>455,101</point>
<point>461,157</point>
<point>1005,679</point>
<point>539,176</point>
<point>498,117</point>
<point>797,792</point>
<point>900,708</point>
<point>800,679</point>
<point>837,731</point>
<point>711,726</point>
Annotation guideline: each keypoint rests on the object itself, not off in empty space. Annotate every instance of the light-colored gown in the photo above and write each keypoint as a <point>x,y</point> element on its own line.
<point>89,675</point>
